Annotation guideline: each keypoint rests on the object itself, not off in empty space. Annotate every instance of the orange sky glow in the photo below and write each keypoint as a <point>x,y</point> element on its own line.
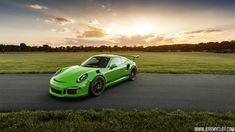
<point>98,22</point>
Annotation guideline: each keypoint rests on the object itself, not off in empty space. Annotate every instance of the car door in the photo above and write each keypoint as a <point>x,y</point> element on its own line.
<point>114,73</point>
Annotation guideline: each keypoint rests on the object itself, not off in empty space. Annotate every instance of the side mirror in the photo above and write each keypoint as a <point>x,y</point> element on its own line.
<point>113,66</point>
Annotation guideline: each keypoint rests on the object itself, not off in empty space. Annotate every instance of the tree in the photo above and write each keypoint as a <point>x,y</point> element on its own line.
<point>23,47</point>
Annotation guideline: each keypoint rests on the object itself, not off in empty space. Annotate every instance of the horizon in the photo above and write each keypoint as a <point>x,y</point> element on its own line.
<point>120,46</point>
<point>122,23</point>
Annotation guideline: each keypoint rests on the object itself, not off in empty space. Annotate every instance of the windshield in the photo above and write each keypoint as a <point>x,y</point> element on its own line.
<point>97,62</point>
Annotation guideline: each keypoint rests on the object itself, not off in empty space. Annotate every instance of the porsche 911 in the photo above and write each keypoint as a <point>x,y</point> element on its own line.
<point>93,76</point>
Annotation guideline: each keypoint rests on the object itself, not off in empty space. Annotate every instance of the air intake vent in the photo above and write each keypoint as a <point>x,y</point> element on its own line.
<point>97,71</point>
<point>58,81</point>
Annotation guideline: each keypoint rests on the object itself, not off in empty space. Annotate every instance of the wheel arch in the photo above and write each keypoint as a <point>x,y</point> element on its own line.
<point>133,67</point>
<point>90,83</point>
<point>101,75</point>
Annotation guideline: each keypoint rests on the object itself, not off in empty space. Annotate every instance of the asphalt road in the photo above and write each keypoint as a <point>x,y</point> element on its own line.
<point>187,92</point>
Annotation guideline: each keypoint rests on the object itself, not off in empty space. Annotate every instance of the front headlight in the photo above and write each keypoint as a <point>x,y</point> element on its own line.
<point>58,72</point>
<point>82,78</point>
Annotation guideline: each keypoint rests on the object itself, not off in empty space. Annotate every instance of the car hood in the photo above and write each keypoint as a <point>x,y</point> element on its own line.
<point>72,73</point>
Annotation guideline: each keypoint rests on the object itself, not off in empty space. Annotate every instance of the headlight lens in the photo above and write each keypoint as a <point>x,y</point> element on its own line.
<point>82,78</point>
<point>59,71</point>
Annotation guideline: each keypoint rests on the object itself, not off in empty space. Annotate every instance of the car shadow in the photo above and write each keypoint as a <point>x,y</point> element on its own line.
<point>88,97</point>
<point>64,99</point>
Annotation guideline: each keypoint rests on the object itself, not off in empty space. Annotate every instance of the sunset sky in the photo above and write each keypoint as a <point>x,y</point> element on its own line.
<point>119,22</point>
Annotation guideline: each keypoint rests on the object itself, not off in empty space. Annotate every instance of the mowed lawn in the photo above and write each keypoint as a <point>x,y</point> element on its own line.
<point>159,62</point>
<point>113,120</point>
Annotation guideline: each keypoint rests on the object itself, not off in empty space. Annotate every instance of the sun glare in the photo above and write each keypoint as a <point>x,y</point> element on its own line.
<point>136,28</point>
<point>142,28</point>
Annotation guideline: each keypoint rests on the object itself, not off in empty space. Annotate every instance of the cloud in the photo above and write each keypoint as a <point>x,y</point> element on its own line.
<point>135,40</point>
<point>87,41</point>
<point>121,41</point>
<point>92,32</point>
<point>60,21</point>
<point>107,8</point>
<point>204,31</point>
<point>93,22</point>
<point>132,40</point>
<point>161,40</point>
<point>61,30</point>
<point>103,6</point>
<point>37,6</point>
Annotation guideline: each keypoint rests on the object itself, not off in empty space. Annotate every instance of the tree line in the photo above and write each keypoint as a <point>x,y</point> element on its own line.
<point>219,47</point>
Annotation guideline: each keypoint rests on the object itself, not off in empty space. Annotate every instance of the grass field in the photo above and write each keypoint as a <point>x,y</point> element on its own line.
<point>113,120</point>
<point>172,62</point>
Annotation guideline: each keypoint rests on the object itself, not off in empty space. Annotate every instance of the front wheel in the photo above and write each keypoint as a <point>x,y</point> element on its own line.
<point>97,86</point>
<point>133,74</point>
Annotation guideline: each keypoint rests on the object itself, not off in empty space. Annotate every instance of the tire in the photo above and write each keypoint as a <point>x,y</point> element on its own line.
<point>133,73</point>
<point>97,86</point>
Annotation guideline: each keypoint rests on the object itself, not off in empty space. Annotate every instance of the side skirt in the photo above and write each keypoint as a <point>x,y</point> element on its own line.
<point>117,81</point>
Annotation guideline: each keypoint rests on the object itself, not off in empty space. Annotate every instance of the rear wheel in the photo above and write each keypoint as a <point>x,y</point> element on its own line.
<point>97,86</point>
<point>133,74</point>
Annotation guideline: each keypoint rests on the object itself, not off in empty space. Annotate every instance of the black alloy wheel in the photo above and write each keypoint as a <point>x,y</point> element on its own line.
<point>133,74</point>
<point>97,86</point>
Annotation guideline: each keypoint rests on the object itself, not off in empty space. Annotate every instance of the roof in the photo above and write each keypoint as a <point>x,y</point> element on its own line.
<point>107,55</point>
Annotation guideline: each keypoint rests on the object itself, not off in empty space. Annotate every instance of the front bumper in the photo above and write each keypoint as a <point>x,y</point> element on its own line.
<point>60,89</point>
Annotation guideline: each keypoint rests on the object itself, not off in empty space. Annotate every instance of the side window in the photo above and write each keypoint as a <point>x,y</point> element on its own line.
<point>116,61</point>
<point>123,60</point>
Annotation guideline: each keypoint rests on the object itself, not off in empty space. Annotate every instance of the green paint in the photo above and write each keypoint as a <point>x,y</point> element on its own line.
<point>113,72</point>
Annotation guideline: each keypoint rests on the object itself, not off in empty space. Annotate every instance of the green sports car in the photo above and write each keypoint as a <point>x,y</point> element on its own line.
<point>92,76</point>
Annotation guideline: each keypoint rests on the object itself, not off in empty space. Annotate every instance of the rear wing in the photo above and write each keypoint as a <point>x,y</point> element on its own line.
<point>132,56</point>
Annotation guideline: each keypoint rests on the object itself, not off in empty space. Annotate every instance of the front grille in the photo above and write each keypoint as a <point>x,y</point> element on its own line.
<point>56,91</point>
<point>71,91</point>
